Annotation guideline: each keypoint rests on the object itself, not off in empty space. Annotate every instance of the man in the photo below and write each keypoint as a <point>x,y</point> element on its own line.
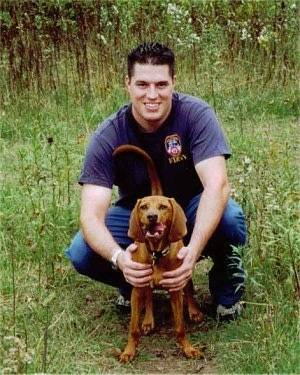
<point>182,135</point>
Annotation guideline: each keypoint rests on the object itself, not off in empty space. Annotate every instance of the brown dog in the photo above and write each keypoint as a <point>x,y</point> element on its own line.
<point>158,225</point>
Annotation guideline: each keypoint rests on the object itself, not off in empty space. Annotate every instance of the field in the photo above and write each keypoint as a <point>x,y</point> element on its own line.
<point>55,321</point>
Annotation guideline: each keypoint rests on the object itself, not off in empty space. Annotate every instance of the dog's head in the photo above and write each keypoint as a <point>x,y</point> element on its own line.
<point>155,218</point>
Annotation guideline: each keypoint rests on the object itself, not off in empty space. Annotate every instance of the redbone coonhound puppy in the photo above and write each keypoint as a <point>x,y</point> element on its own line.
<point>158,225</point>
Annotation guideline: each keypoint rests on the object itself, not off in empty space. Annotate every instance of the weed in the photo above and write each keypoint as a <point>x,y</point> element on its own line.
<point>54,95</point>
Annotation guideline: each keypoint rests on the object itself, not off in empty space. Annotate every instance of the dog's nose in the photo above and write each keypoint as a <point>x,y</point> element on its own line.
<point>152,217</point>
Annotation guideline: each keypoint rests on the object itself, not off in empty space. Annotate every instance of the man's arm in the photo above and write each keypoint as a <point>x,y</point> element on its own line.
<point>213,175</point>
<point>95,201</point>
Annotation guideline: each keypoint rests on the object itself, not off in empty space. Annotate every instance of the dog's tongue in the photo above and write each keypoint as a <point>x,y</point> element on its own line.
<point>155,230</point>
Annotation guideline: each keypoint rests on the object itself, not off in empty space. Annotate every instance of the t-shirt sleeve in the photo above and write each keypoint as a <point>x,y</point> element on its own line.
<point>98,163</point>
<point>206,136</point>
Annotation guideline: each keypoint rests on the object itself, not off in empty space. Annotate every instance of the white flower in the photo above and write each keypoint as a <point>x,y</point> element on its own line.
<point>247,160</point>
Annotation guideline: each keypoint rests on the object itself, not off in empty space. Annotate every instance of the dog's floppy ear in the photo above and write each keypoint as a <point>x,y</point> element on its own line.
<point>178,226</point>
<point>135,232</point>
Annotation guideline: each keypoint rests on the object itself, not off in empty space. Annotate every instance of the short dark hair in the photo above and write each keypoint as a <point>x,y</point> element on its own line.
<point>151,53</point>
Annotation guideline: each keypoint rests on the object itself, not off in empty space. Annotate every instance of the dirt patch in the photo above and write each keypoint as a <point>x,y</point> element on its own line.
<point>176,366</point>
<point>158,353</point>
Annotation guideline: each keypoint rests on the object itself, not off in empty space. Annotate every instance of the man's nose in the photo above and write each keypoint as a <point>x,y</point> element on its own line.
<point>152,93</point>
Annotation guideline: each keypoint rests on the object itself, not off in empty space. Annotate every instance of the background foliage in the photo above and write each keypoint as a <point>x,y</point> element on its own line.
<point>36,36</point>
<point>62,70</point>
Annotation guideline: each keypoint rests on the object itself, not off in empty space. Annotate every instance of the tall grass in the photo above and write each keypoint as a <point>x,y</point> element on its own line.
<point>37,36</point>
<point>52,319</point>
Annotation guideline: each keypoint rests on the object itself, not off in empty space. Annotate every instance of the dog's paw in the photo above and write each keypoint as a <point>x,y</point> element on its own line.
<point>196,316</point>
<point>126,356</point>
<point>147,327</point>
<point>192,352</point>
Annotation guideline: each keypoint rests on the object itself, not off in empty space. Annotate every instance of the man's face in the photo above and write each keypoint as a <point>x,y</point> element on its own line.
<point>150,89</point>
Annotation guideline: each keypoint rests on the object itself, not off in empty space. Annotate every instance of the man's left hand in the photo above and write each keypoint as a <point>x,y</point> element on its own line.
<point>178,278</point>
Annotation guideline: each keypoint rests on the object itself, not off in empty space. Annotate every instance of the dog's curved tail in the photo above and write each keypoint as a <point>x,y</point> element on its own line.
<point>156,188</point>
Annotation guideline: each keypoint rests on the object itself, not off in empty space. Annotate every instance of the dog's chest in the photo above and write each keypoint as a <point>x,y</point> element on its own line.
<point>161,261</point>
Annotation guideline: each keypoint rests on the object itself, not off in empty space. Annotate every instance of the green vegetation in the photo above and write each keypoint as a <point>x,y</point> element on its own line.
<point>62,68</point>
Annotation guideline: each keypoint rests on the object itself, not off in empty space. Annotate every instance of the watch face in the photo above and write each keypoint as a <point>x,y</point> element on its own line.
<point>114,264</point>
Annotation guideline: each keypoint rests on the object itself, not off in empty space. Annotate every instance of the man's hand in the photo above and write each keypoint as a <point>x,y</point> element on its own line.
<point>136,274</point>
<point>178,278</point>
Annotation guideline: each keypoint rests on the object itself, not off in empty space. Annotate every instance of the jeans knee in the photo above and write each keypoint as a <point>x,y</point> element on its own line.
<point>233,224</point>
<point>79,254</point>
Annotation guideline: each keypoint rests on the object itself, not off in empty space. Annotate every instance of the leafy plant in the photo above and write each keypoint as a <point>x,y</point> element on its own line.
<point>62,71</point>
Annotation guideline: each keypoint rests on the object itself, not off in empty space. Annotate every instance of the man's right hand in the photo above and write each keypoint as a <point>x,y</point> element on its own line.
<point>137,274</point>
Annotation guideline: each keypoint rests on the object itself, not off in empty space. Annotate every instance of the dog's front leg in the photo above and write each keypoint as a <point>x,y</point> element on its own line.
<point>195,313</point>
<point>148,322</point>
<point>137,298</point>
<point>177,308</point>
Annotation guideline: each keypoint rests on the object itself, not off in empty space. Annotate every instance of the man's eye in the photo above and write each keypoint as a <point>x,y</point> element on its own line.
<point>141,84</point>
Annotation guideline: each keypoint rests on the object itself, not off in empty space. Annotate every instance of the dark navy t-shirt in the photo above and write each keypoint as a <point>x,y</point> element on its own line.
<point>190,134</point>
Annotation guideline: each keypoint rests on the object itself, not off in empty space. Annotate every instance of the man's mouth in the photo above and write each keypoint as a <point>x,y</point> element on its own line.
<point>152,106</point>
<point>155,230</point>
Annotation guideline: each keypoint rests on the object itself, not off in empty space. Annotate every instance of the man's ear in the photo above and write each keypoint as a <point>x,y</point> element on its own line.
<point>174,79</point>
<point>127,82</point>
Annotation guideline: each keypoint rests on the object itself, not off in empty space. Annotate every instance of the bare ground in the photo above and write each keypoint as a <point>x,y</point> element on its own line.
<point>159,353</point>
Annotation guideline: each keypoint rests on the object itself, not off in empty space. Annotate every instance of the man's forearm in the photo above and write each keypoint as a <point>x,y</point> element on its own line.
<point>95,202</point>
<point>209,213</point>
<point>98,237</point>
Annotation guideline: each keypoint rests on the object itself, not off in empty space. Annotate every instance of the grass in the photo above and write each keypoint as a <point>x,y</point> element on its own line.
<point>56,321</point>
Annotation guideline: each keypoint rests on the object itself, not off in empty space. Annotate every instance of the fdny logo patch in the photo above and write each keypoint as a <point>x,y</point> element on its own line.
<point>174,149</point>
<point>173,145</point>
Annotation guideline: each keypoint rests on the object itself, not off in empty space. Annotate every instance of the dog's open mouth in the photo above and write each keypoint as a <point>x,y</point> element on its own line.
<point>155,230</point>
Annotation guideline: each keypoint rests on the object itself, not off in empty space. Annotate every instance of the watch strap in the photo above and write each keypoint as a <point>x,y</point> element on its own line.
<point>114,258</point>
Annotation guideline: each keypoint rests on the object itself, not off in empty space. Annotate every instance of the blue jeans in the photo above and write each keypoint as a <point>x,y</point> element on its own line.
<point>226,278</point>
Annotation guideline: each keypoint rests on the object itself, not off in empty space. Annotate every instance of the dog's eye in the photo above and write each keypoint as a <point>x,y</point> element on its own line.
<point>143,207</point>
<point>163,207</point>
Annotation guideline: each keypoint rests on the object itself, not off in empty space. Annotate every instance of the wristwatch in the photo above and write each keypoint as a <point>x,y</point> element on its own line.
<point>114,259</point>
